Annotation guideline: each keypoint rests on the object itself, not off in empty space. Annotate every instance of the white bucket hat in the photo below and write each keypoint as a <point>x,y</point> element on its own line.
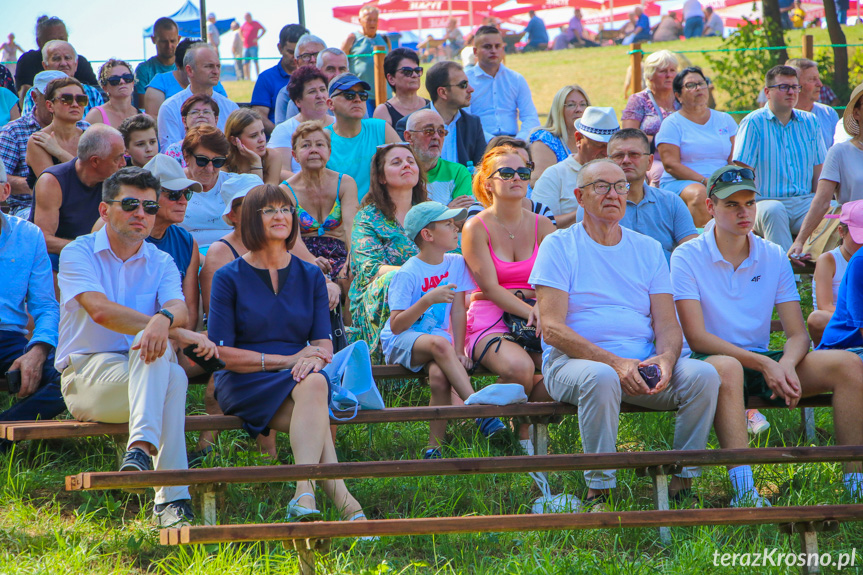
<point>598,123</point>
<point>235,187</point>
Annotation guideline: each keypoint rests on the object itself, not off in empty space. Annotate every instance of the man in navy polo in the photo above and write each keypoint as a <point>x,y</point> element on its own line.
<point>274,79</point>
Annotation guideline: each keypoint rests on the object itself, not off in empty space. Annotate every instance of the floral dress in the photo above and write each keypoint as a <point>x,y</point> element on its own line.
<point>561,151</point>
<point>375,242</point>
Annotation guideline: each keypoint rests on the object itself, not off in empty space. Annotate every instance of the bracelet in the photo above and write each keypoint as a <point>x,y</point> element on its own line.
<point>257,168</point>
<point>263,366</point>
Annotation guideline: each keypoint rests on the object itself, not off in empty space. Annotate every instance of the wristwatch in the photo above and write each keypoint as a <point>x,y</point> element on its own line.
<point>168,315</point>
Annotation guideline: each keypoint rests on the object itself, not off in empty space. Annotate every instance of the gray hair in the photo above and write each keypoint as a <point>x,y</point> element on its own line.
<point>95,142</point>
<point>801,64</point>
<point>582,173</point>
<point>189,57</point>
<point>336,51</point>
<point>368,9</point>
<point>307,39</point>
<point>55,44</point>
<point>414,119</point>
<point>129,176</point>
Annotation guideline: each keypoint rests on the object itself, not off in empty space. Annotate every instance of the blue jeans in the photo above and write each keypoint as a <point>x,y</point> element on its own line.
<point>46,402</point>
<point>693,27</point>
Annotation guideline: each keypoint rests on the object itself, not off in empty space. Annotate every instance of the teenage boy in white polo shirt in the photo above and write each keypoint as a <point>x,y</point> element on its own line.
<point>726,283</point>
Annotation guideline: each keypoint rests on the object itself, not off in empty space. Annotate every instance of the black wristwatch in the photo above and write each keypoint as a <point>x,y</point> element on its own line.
<point>168,315</point>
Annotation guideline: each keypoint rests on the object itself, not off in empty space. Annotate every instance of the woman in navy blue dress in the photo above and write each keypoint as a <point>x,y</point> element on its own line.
<point>269,315</point>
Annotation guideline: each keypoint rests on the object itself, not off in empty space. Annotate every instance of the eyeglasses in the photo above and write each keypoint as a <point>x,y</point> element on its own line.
<point>122,78</point>
<point>575,105</point>
<point>510,173</point>
<point>793,88</point>
<point>429,132</point>
<point>634,156</point>
<point>199,113</point>
<point>308,56</point>
<point>175,195</point>
<point>131,204</point>
<point>285,211</point>
<point>692,86</point>
<point>202,161</point>
<point>463,85</point>
<point>67,99</point>
<point>409,72</point>
<point>602,187</point>
<point>734,176</point>
<point>350,95</point>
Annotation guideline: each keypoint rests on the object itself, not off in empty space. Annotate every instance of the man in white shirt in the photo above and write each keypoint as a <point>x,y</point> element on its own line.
<point>501,95</point>
<point>121,307</point>
<point>604,295</point>
<point>713,26</point>
<point>204,70</point>
<point>726,283</point>
<point>556,186</point>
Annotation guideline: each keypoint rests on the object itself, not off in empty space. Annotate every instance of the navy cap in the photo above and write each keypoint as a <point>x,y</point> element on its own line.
<point>346,82</point>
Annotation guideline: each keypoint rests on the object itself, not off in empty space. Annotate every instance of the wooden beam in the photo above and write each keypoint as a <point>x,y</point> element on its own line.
<point>504,523</point>
<point>462,466</point>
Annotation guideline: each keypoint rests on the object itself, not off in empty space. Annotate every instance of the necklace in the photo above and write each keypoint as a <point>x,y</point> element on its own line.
<point>511,235</point>
<point>845,253</point>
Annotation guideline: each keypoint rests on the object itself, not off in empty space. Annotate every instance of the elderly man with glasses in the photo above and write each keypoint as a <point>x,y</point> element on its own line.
<point>609,330</point>
<point>59,55</point>
<point>354,138</point>
<point>785,149</point>
<point>448,183</point>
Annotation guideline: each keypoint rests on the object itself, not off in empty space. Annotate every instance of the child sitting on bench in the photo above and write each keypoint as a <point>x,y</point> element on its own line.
<point>427,313</point>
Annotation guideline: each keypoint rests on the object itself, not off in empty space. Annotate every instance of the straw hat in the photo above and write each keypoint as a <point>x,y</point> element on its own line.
<point>848,120</point>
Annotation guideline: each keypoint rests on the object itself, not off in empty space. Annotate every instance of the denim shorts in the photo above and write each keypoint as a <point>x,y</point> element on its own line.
<point>252,52</point>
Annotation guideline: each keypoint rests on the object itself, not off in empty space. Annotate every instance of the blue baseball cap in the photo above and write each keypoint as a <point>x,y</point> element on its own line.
<point>346,82</point>
<point>425,213</point>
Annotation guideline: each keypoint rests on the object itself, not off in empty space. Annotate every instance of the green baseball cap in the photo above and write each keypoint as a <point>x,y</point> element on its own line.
<point>728,180</point>
<point>425,213</point>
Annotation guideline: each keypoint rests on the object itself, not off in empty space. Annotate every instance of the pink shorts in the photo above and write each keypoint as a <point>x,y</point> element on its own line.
<point>484,318</point>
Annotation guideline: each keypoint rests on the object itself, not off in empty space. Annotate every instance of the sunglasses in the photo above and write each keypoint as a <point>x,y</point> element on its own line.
<point>510,173</point>
<point>202,161</point>
<point>131,204</point>
<point>122,78</point>
<point>175,195</point>
<point>350,95</point>
<point>463,85</point>
<point>409,72</point>
<point>734,176</point>
<point>67,99</point>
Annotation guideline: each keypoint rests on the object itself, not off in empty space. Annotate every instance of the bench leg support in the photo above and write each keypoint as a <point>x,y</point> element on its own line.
<point>208,507</point>
<point>808,532</point>
<point>307,550</point>
<point>540,438</point>
<point>660,499</point>
<point>809,424</point>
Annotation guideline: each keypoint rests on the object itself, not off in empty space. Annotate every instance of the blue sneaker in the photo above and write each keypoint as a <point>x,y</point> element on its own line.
<point>431,453</point>
<point>490,425</point>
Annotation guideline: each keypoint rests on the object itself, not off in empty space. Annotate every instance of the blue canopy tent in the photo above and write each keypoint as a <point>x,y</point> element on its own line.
<point>188,19</point>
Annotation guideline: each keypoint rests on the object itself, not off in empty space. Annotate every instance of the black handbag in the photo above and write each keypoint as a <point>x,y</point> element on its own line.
<point>340,340</point>
<point>521,333</point>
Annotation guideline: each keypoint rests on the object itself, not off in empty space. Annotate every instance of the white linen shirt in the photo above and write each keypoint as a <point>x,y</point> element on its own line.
<point>498,100</point>
<point>737,304</point>
<point>145,283</point>
<point>555,188</point>
<point>170,121</point>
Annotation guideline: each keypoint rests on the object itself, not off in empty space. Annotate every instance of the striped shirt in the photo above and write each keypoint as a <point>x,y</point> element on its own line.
<point>783,157</point>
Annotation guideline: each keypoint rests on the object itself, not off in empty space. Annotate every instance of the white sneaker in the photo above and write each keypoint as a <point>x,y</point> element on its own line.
<point>751,499</point>
<point>561,503</point>
<point>526,446</point>
<point>756,423</point>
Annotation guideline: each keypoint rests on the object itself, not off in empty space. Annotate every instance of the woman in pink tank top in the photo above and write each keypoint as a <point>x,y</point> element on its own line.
<point>500,247</point>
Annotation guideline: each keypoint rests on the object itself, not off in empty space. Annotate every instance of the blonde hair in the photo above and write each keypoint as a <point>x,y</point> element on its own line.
<point>309,127</point>
<point>657,60</point>
<point>555,124</point>
<point>485,170</point>
<point>108,67</point>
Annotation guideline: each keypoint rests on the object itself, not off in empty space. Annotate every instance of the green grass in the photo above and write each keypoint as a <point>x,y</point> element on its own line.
<point>44,529</point>
<point>601,71</point>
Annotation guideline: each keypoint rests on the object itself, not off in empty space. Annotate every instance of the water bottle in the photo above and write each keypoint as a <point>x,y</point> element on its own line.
<point>470,168</point>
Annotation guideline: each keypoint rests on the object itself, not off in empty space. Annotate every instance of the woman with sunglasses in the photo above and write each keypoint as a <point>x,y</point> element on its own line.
<point>118,81</point>
<point>403,73</point>
<point>270,318</point>
<point>379,243</point>
<point>694,143</point>
<point>197,110</point>
<point>554,142</point>
<point>500,246</point>
<point>247,151</point>
<point>205,150</point>
<point>308,90</point>
<point>57,142</point>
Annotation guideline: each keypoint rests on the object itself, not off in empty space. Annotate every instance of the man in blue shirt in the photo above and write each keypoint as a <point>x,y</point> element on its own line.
<point>537,35</point>
<point>271,81</point>
<point>642,28</point>
<point>27,281</point>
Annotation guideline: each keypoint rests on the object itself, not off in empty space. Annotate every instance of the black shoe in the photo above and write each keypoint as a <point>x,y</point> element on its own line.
<point>136,459</point>
<point>197,457</point>
<point>175,513</point>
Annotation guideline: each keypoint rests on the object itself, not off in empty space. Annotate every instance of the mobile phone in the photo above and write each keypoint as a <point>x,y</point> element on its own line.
<point>209,365</point>
<point>651,374</point>
<point>13,381</point>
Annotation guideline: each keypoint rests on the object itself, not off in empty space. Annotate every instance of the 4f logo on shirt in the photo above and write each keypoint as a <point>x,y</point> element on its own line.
<point>433,282</point>
<point>755,279</point>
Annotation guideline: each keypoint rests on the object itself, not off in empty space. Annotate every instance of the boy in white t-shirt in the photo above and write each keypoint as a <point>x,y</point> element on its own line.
<point>726,283</point>
<point>427,313</point>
